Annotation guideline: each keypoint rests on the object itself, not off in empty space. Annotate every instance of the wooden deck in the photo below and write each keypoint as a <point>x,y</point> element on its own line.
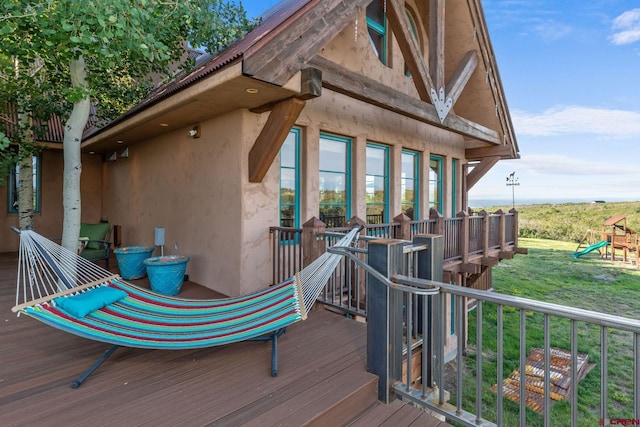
<point>322,377</point>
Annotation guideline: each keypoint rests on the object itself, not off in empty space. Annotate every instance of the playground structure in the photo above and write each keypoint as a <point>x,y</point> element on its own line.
<point>615,235</point>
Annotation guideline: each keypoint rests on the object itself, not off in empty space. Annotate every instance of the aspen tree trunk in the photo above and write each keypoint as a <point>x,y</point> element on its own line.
<point>25,185</point>
<point>73,129</point>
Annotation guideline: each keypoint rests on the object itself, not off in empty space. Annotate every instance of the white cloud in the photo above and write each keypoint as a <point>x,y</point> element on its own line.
<point>551,31</point>
<point>626,28</point>
<point>558,164</point>
<point>577,120</point>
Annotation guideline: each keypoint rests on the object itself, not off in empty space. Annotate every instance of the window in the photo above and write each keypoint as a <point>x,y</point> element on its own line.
<point>335,180</point>
<point>414,31</point>
<point>454,185</point>
<point>14,181</point>
<point>377,28</point>
<point>290,180</point>
<point>409,184</point>
<point>435,183</point>
<point>377,184</point>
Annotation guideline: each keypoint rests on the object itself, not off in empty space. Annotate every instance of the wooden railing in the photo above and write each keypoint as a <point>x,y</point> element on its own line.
<point>464,235</point>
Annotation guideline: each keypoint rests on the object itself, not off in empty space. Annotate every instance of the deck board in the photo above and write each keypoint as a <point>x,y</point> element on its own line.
<point>321,360</point>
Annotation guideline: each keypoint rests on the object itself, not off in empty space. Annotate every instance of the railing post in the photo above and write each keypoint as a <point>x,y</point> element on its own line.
<point>404,229</point>
<point>384,317</point>
<point>502,229</point>
<point>515,226</point>
<point>464,236</point>
<point>486,232</point>
<point>312,246</point>
<point>430,262</point>
<point>438,227</point>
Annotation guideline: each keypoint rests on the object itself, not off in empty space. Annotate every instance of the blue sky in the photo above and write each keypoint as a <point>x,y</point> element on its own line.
<point>571,74</point>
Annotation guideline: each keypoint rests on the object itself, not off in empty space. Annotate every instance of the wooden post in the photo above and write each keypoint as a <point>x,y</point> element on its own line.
<point>464,236</point>
<point>312,245</point>
<point>502,230</point>
<point>439,225</point>
<point>384,317</point>
<point>486,232</point>
<point>516,227</point>
<point>404,230</point>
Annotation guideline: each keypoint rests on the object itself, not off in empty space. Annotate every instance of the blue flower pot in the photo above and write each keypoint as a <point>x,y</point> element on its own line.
<point>166,273</point>
<point>130,261</point>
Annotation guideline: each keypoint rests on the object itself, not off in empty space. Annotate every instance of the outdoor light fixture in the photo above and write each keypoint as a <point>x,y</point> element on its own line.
<point>195,132</point>
<point>251,90</point>
<point>158,239</point>
<point>125,153</point>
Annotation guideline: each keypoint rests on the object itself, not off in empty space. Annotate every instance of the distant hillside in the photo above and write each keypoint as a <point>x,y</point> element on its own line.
<point>570,221</point>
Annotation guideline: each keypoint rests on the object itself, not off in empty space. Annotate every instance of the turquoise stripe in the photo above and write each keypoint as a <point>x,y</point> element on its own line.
<point>183,330</point>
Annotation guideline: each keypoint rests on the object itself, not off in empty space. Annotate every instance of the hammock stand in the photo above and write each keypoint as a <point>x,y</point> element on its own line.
<point>63,290</point>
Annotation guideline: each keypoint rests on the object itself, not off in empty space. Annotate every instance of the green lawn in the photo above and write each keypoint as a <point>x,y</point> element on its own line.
<point>549,273</point>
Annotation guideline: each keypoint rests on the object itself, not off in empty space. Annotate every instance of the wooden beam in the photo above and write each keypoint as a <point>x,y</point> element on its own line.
<point>396,15</point>
<point>462,75</point>
<point>480,170</point>
<point>277,59</point>
<point>365,89</point>
<point>272,136</point>
<point>310,87</point>
<point>436,42</point>
<point>494,151</point>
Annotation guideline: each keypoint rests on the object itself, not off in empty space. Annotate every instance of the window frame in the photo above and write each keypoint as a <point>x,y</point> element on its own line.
<point>381,30</point>
<point>433,203</point>
<point>347,173</point>
<point>296,132</point>
<point>416,183</point>
<point>385,203</point>
<point>13,181</point>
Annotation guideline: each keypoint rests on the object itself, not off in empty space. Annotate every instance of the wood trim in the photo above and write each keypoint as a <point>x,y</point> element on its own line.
<point>410,50</point>
<point>436,42</point>
<point>275,131</point>
<point>280,58</point>
<point>480,170</point>
<point>339,79</point>
<point>310,87</point>
<point>481,152</point>
<point>462,75</point>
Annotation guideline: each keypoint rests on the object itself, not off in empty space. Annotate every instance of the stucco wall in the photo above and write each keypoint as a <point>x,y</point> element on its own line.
<point>48,221</point>
<point>194,189</point>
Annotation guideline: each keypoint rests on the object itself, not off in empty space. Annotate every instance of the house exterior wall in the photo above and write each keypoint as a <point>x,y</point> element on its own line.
<point>198,190</point>
<point>48,221</point>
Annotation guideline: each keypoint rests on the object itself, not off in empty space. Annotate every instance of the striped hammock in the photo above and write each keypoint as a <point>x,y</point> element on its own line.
<point>49,273</point>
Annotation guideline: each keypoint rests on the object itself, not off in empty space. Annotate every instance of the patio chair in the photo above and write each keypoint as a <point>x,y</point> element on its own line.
<point>97,239</point>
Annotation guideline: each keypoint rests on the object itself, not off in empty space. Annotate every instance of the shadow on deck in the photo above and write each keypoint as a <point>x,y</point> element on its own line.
<point>322,377</point>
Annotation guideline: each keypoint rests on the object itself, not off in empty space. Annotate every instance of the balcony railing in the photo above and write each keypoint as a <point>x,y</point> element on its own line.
<point>406,305</point>
<point>465,237</point>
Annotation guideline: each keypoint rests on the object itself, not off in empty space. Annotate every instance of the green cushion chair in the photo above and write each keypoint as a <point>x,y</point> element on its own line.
<point>98,246</point>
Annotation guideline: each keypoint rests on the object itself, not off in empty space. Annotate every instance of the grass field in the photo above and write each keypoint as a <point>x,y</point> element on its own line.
<point>549,273</point>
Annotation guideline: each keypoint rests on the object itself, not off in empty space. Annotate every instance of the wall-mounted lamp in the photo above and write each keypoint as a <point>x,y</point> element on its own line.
<point>195,132</point>
<point>112,157</point>
<point>125,153</point>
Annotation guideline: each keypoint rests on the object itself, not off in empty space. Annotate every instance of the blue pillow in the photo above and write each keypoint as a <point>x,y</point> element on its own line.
<point>87,302</point>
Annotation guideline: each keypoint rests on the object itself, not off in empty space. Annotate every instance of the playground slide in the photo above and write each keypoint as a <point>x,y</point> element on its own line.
<point>590,248</point>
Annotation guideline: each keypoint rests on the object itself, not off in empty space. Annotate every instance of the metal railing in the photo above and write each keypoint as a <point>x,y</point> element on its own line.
<point>415,305</point>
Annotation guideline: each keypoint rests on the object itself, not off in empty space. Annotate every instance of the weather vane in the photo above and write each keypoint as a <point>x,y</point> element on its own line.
<point>512,181</point>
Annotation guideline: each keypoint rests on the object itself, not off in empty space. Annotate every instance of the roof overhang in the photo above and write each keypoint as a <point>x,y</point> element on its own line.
<point>221,92</point>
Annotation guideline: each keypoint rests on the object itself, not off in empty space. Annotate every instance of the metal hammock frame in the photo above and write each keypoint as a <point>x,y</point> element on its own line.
<point>144,319</point>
